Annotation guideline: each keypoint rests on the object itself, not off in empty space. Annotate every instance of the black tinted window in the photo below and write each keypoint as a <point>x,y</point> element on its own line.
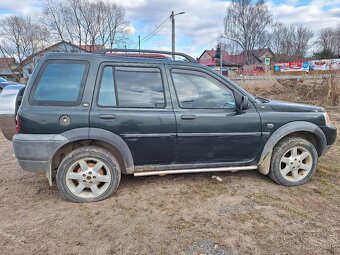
<point>139,87</point>
<point>107,96</point>
<point>60,83</point>
<point>198,90</point>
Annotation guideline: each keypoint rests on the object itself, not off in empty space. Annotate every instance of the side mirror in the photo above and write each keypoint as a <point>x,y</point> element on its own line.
<point>244,103</point>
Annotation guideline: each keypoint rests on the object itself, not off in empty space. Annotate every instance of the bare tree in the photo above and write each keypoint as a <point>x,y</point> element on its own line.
<point>329,40</point>
<point>247,23</point>
<point>282,42</point>
<point>85,22</point>
<point>21,38</point>
<point>290,42</point>
<point>302,38</point>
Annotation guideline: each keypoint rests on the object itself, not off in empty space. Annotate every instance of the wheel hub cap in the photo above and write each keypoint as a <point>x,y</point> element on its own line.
<point>88,178</point>
<point>296,163</point>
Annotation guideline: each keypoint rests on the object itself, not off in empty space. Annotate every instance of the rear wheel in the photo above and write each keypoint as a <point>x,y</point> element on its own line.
<point>293,162</point>
<point>88,174</point>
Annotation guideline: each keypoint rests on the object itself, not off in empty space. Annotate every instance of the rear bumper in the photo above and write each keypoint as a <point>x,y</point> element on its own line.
<point>34,152</point>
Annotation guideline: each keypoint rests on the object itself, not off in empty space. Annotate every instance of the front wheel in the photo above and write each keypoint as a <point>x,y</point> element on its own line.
<point>88,174</point>
<point>293,162</point>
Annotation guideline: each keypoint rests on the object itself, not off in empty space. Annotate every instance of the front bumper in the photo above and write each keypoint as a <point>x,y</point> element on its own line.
<point>330,133</point>
<point>35,152</point>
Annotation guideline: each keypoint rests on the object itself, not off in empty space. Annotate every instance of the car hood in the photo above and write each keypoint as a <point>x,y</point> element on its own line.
<point>281,106</point>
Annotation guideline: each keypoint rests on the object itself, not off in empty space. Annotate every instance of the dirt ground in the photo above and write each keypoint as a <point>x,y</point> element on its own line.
<point>245,213</point>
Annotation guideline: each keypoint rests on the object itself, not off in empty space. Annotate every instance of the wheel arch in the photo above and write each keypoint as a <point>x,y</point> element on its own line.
<point>93,136</point>
<point>306,130</point>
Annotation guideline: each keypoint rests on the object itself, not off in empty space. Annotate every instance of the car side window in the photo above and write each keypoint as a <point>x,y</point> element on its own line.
<point>139,87</point>
<point>107,94</point>
<point>198,90</point>
<point>60,83</point>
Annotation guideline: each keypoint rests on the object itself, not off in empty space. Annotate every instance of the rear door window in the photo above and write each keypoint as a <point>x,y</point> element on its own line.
<point>139,87</point>
<point>60,82</point>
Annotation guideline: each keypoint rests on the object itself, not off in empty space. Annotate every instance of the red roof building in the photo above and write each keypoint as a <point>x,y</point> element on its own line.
<point>235,60</point>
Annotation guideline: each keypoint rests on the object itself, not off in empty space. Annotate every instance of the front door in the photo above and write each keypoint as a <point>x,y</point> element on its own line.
<point>133,101</point>
<point>209,127</point>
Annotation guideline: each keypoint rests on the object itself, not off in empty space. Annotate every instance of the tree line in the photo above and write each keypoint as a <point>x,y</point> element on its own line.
<point>80,22</point>
<point>249,25</point>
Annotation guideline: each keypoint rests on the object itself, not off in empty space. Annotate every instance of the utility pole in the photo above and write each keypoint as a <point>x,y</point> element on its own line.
<point>173,34</point>
<point>173,37</point>
<point>221,59</point>
<point>139,42</point>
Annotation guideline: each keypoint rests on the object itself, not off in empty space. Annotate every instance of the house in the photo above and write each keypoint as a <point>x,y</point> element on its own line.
<point>6,68</point>
<point>235,62</point>
<point>29,63</point>
<point>91,48</point>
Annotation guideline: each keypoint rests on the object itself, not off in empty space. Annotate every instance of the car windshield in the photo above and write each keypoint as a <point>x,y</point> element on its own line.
<point>2,80</point>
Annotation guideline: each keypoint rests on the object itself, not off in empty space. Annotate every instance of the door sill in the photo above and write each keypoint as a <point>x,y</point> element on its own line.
<point>195,170</point>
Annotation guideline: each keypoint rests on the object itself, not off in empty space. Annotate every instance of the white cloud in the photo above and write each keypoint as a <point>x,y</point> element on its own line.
<point>316,15</point>
<point>21,7</point>
<point>197,29</point>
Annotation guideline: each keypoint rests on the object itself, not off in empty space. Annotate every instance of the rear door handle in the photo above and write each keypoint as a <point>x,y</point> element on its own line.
<point>107,117</point>
<point>188,117</point>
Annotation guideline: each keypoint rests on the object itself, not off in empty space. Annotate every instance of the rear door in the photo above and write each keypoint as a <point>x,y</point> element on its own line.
<point>58,99</point>
<point>133,101</point>
<point>210,128</point>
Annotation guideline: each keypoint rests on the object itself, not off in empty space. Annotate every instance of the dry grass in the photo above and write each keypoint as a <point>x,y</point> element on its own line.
<point>321,91</point>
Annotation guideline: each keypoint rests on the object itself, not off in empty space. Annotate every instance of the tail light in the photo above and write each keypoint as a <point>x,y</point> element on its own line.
<point>17,124</point>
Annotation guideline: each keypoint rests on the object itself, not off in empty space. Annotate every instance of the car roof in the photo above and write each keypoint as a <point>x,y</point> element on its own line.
<point>116,58</point>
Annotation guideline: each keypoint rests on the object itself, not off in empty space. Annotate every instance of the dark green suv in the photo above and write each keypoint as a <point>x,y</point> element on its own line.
<point>85,119</point>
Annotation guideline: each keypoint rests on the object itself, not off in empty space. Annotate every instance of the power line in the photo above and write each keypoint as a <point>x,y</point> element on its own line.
<point>157,29</point>
<point>154,33</point>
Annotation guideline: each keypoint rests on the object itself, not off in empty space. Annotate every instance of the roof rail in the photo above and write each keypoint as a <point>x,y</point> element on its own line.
<point>173,54</point>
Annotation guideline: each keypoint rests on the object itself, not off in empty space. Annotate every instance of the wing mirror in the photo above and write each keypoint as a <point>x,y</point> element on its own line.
<point>244,103</point>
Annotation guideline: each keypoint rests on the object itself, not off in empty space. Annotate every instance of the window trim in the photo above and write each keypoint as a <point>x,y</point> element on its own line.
<point>31,99</point>
<point>206,74</point>
<point>116,87</point>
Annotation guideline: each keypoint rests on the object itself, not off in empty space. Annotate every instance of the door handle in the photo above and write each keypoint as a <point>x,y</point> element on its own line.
<point>188,117</point>
<point>107,117</point>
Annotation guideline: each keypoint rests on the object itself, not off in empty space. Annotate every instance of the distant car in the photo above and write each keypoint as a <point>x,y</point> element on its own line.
<point>4,83</point>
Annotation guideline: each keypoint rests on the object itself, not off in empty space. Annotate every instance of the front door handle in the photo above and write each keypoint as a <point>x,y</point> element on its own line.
<point>188,117</point>
<point>107,117</point>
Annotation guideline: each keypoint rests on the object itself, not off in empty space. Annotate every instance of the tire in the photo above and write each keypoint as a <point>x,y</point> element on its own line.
<point>88,174</point>
<point>293,162</point>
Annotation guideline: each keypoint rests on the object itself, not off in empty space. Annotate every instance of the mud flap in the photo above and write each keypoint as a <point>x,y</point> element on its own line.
<point>264,167</point>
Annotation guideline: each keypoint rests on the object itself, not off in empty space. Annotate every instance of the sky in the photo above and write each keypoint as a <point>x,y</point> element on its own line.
<point>197,29</point>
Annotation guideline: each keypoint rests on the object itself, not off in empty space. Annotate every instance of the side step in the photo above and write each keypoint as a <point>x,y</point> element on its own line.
<point>196,170</point>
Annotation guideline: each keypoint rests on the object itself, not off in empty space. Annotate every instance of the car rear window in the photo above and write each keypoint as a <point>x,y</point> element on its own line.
<point>59,83</point>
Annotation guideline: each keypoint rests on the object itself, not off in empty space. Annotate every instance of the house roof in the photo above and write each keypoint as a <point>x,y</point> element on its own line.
<point>235,59</point>
<point>6,62</point>
<point>41,52</point>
